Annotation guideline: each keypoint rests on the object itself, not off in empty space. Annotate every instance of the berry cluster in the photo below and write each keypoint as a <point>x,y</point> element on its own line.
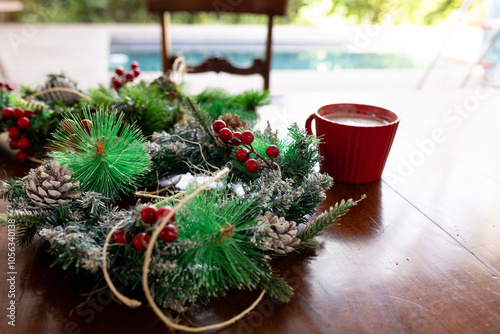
<point>150,215</point>
<point>121,78</point>
<point>69,127</point>
<point>22,121</point>
<point>245,139</point>
<point>6,86</point>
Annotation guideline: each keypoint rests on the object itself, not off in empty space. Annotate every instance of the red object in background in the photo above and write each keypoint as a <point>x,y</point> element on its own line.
<point>23,123</point>
<point>23,144</point>
<point>354,153</point>
<point>13,144</point>
<point>18,113</point>
<point>21,156</point>
<point>14,133</point>
<point>7,113</point>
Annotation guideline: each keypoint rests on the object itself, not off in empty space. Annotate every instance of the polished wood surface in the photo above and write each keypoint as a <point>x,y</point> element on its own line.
<point>215,64</point>
<point>421,254</point>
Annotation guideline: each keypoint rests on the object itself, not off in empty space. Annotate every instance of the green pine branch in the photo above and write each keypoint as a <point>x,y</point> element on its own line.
<point>110,158</point>
<point>27,223</point>
<point>324,221</point>
<point>202,118</point>
<point>278,288</point>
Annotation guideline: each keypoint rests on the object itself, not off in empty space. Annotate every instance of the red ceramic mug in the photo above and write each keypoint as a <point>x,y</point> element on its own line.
<point>355,140</point>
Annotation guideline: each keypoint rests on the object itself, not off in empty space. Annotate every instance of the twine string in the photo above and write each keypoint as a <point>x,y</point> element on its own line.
<point>132,303</point>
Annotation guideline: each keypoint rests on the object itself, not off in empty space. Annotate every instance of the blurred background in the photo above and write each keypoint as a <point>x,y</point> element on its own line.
<point>321,45</point>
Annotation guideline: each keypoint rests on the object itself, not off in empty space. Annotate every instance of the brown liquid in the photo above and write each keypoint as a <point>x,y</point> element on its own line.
<point>355,119</point>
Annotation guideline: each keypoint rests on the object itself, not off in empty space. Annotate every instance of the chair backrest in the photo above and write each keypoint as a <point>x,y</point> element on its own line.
<point>267,7</point>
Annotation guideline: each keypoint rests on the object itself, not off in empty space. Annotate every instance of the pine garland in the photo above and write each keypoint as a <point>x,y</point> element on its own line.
<point>219,240</point>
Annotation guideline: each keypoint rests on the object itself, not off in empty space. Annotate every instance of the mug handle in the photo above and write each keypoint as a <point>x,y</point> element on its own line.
<point>308,124</point>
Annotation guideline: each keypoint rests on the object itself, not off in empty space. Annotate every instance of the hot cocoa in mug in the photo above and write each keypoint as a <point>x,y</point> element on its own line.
<point>355,140</point>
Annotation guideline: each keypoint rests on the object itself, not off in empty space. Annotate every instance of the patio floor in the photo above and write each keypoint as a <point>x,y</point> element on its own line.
<point>29,52</point>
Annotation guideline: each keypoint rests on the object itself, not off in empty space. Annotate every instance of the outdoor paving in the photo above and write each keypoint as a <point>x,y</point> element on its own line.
<point>29,52</point>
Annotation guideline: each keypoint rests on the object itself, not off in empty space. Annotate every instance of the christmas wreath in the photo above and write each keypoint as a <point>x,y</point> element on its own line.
<point>252,196</point>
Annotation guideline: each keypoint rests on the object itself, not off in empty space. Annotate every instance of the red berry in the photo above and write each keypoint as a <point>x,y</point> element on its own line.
<point>13,144</point>
<point>28,113</point>
<point>238,136</point>
<point>1,84</point>
<point>148,214</point>
<point>141,241</point>
<point>21,156</point>
<point>7,113</point>
<point>242,155</point>
<point>225,134</point>
<point>137,71</point>
<point>134,65</point>
<point>252,166</point>
<point>272,151</point>
<point>23,123</point>
<point>9,88</point>
<point>130,76</point>
<point>117,82</point>
<point>14,133</point>
<point>120,70</point>
<point>218,125</point>
<point>18,113</point>
<point>23,144</point>
<point>163,212</point>
<point>247,137</point>
<point>121,237</point>
<point>68,125</point>
<point>86,125</point>
<point>169,233</point>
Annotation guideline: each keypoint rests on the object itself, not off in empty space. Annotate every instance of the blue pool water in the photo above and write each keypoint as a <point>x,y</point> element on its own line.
<point>308,60</point>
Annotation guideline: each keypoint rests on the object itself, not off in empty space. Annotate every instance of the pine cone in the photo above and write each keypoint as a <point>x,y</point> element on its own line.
<point>50,185</point>
<point>234,123</point>
<point>59,81</point>
<point>282,233</point>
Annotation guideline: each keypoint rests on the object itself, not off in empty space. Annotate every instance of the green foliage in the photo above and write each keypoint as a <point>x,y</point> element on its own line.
<point>103,11</point>
<point>202,118</point>
<point>27,223</point>
<point>415,11</point>
<point>109,159</point>
<point>143,104</point>
<point>4,98</point>
<point>278,288</point>
<point>324,221</point>
<point>216,102</point>
<point>13,191</point>
<point>220,227</point>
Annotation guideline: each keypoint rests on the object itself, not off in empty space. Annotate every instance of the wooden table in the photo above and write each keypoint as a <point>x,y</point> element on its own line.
<point>420,255</point>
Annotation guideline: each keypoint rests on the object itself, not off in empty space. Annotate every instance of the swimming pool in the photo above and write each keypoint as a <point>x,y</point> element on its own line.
<point>319,60</point>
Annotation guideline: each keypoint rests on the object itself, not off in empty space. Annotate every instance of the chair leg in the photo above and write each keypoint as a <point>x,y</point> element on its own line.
<point>165,40</point>
<point>269,53</point>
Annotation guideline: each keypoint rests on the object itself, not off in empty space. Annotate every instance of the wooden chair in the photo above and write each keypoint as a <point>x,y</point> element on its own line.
<point>215,64</point>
